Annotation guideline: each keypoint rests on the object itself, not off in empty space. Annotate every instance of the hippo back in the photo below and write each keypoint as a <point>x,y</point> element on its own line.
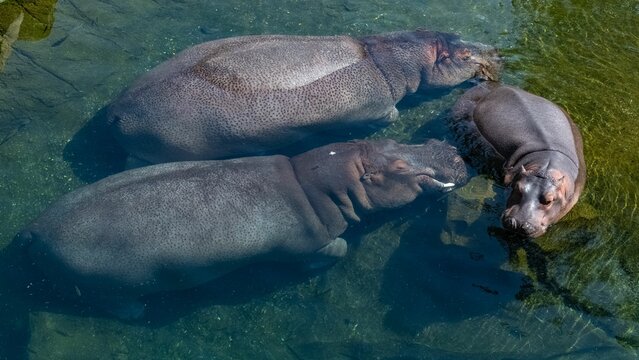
<point>176,225</point>
<point>247,95</point>
<point>517,123</point>
<point>244,65</point>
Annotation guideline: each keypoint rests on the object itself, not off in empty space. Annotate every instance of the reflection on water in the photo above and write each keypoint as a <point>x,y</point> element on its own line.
<point>438,279</point>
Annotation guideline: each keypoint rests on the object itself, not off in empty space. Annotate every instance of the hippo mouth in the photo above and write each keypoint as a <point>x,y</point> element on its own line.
<point>487,72</point>
<point>428,181</point>
<point>489,69</point>
<point>523,228</point>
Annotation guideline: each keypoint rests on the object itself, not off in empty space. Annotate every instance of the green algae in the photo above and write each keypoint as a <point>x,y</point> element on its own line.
<point>38,17</point>
<point>582,55</point>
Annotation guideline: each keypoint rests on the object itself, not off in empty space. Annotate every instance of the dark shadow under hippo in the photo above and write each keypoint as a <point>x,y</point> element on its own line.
<point>253,94</point>
<point>178,225</point>
<point>536,145</point>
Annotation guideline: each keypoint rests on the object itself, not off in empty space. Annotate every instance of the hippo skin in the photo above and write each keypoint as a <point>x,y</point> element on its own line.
<point>178,225</point>
<point>253,95</point>
<point>539,146</point>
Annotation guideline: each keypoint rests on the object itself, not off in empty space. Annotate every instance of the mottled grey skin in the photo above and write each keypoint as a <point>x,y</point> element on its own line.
<point>178,225</point>
<point>541,149</point>
<point>254,94</point>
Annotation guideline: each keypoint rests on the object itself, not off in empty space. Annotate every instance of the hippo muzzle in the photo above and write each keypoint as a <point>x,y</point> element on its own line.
<point>522,226</point>
<point>535,202</point>
<point>438,166</point>
<point>488,63</point>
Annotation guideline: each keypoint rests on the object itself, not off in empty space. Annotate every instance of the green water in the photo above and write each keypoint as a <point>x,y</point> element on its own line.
<point>434,281</point>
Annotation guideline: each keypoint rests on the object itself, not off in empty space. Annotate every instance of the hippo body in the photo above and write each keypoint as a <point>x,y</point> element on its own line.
<point>539,146</point>
<point>254,94</point>
<point>178,225</point>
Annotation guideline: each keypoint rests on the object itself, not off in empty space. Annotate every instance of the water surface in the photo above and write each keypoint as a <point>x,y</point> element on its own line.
<point>436,280</point>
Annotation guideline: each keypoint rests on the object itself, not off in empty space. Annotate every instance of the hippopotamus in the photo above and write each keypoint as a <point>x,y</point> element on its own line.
<point>254,95</point>
<point>539,147</point>
<point>177,225</point>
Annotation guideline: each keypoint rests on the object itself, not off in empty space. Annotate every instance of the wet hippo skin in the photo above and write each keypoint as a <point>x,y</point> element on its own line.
<point>177,225</point>
<point>255,94</point>
<point>541,149</point>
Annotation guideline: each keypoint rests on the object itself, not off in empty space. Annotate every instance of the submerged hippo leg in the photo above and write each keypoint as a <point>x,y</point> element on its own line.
<point>328,254</point>
<point>123,308</point>
<point>133,162</point>
<point>388,119</point>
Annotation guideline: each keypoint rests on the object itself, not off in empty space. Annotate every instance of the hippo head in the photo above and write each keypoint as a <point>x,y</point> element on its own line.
<point>449,61</point>
<point>395,174</point>
<point>538,199</point>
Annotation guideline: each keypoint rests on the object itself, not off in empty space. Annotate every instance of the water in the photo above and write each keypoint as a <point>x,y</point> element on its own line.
<point>436,280</point>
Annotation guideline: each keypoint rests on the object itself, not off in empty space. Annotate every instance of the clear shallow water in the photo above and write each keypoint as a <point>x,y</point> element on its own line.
<point>436,280</point>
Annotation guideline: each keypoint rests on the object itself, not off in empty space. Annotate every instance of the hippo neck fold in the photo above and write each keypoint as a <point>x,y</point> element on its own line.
<point>398,61</point>
<point>548,159</point>
<point>330,177</point>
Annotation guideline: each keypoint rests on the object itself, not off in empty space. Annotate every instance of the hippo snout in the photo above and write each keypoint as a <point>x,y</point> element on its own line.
<point>490,64</point>
<point>450,169</point>
<point>456,172</point>
<point>522,227</point>
<point>460,170</point>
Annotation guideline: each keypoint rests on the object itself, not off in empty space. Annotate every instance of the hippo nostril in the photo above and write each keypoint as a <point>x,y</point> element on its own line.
<point>510,223</point>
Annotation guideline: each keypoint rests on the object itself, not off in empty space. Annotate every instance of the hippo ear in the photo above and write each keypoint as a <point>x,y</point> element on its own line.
<point>372,177</point>
<point>508,178</point>
<point>511,172</point>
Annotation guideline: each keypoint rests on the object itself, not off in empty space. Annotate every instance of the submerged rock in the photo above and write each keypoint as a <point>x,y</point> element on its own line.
<point>8,38</point>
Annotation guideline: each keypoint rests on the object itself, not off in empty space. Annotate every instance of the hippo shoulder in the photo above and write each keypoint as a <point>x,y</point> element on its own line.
<point>265,63</point>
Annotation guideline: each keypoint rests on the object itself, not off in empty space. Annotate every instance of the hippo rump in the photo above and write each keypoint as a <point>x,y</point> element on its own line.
<point>539,146</point>
<point>177,225</point>
<point>252,95</point>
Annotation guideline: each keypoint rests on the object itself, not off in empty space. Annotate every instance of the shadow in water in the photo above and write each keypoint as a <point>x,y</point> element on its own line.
<point>436,128</point>
<point>537,261</point>
<point>16,292</point>
<point>416,99</point>
<point>427,281</point>
<point>351,349</point>
<point>93,152</point>
<point>25,289</point>
<point>236,288</point>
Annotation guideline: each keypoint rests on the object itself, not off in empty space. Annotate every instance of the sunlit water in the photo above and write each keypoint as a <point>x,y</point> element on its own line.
<point>436,280</point>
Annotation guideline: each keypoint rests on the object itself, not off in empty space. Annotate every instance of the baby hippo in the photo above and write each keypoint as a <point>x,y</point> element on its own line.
<point>254,94</point>
<point>178,225</point>
<point>540,148</point>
